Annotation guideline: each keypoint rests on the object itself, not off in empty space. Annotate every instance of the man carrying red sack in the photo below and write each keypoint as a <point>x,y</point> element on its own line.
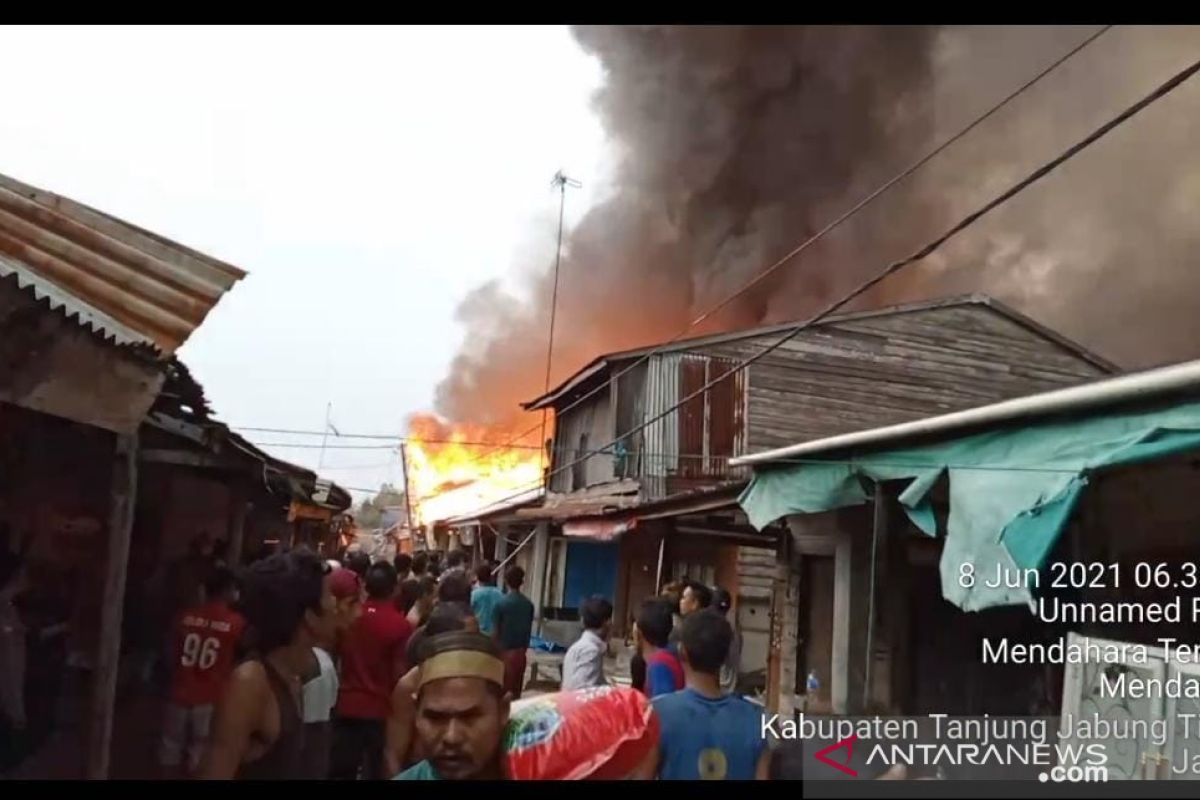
<point>462,709</point>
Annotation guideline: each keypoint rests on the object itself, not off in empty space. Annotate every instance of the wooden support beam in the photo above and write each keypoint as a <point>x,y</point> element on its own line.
<point>177,427</point>
<point>776,650</point>
<point>239,507</point>
<point>728,536</point>
<point>879,523</point>
<point>120,527</point>
<point>789,644</point>
<point>839,680</point>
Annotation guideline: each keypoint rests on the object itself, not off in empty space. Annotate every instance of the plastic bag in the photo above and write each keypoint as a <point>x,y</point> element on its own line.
<point>599,733</point>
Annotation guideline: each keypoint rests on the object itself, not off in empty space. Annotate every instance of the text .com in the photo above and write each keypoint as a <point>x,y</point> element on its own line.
<point>1075,773</point>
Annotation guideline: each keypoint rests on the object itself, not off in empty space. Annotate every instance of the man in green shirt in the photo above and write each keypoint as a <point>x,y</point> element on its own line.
<point>462,709</point>
<point>512,625</point>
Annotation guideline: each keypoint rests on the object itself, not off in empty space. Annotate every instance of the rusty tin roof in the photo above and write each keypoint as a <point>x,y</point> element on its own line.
<point>123,282</point>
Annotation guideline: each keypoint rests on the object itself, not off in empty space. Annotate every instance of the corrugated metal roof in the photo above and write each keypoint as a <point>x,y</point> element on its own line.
<point>593,502</point>
<point>123,282</point>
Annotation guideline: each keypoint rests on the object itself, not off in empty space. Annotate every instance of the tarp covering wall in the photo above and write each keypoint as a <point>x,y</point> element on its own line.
<point>1012,489</point>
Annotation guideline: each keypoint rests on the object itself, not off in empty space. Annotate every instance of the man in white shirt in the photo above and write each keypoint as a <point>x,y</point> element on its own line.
<point>319,694</point>
<point>583,665</point>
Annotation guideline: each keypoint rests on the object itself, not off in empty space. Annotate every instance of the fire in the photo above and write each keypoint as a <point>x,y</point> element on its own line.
<point>459,469</point>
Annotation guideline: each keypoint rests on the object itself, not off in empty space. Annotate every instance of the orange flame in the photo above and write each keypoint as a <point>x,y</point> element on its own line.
<point>457,469</point>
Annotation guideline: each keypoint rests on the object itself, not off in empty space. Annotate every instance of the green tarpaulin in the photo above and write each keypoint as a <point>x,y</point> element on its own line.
<point>1012,489</point>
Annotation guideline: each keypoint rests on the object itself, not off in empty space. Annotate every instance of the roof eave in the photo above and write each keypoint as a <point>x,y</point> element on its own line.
<point>119,280</point>
<point>1145,386</point>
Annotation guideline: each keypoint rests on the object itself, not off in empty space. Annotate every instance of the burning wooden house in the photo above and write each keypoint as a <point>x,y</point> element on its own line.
<point>639,495</point>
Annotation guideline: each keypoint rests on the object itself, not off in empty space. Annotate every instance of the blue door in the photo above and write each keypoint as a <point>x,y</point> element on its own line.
<point>591,569</point>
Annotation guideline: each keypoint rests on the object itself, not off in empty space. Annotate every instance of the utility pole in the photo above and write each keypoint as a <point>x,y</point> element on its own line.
<point>407,499</point>
<point>324,437</point>
<point>560,181</point>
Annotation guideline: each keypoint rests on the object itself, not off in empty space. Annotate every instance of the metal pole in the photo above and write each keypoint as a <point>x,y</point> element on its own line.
<point>510,556</point>
<point>879,520</point>
<point>662,543</point>
<point>404,474</point>
<point>324,437</point>
<point>562,182</point>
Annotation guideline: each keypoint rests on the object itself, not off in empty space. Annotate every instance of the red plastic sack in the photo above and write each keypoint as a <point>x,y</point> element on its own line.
<point>600,733</point>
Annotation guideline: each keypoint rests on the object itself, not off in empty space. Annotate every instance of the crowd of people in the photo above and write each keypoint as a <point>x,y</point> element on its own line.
<point>305,668</point>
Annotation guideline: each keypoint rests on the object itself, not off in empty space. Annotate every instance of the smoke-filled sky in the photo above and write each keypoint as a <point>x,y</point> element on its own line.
<point>735,144</point>
<point>387,189</point>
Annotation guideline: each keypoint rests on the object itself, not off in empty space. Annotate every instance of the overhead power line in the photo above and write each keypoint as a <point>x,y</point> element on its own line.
<point>387,436</point>
<point>398,441</point>
<point>382,437</point>
<point>304,446</point>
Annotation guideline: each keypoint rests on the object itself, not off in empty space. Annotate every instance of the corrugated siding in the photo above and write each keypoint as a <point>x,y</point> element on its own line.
<point>116,279</point>
<point>600,466</point>
<point>881,370</point>
<point>593,420</point>
<point>662,436</point>
<point>695,441</point>
<point>630,391</point>
<point>567,429</point>
<point>756,571</point>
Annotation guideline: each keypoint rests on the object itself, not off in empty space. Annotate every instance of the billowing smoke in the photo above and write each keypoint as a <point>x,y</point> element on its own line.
<point>735,144</point>
<point>1105,249</point>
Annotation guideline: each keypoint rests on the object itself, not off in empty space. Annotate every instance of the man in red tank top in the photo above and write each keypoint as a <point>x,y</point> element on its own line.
<point>205,640</point>
<point>258,726</point>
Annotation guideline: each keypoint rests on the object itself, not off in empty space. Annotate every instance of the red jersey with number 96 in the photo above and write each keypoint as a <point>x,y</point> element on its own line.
<point>206,638</point>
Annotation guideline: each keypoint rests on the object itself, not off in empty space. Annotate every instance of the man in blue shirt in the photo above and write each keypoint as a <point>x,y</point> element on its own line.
<point>706,734</point>
<point>664,673</point>
<point>484,597</point>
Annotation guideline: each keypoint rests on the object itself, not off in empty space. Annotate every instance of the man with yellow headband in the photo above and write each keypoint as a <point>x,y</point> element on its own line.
<point>462,708</point>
